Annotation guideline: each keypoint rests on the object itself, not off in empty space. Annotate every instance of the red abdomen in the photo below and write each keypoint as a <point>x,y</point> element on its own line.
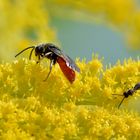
<point>68,72</point>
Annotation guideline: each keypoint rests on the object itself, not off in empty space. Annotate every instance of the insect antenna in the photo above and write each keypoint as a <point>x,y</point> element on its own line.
<point>121,102</point>
<point>31,53</point>
<point>25,50</point>
<point>118,94</point>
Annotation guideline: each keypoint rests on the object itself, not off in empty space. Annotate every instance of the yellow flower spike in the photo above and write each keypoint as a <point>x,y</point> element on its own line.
<point>107,91</point>
<point>49,116</point>
<point>120,72</point>
<point>70,106</point>
<point>76,91</point>
<point>94,66</point>
<point>7,108</point>
<point>56,109</point>
<point>59,133</point>
<point>32,104</point>
<point>1,75</point>
<point>83,113</point>
<point>71,129</point>
<point>92,90</point>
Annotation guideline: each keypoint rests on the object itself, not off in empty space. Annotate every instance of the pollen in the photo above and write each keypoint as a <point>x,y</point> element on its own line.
<point>56,109</point>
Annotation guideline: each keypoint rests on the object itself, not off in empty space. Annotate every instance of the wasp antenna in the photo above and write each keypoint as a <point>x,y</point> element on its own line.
<point>118,94</point>
<point>121,102</point>
<point>31,53</point>
<point>24,50</point>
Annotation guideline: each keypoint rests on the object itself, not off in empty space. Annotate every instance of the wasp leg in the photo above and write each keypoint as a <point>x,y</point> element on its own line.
<point>42,56</point>
<point>51,64</point>
<point>121,102</point>
<point>39,59</point>
<point>47,54</point>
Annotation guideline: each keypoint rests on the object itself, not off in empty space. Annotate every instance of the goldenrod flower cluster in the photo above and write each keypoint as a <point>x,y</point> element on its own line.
<point>33,109</point>
<point>121,14</point>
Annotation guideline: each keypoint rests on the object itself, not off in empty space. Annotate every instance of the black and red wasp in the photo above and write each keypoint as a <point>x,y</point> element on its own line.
<point>129,92</point>
<point>54,54</point>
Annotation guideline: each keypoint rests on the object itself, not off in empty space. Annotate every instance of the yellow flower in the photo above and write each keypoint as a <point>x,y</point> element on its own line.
<point>56,109</point>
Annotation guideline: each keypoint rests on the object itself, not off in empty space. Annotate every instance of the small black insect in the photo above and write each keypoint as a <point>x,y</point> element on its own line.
<point>129,92</point>
<point>54,54</point>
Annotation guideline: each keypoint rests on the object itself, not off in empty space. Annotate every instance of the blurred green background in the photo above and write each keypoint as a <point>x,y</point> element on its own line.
<point>82,39</point>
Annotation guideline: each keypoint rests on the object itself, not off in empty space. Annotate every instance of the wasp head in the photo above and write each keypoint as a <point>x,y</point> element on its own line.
<point>39,50</point>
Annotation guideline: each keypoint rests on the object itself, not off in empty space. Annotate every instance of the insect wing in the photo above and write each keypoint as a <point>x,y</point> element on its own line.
<point>137,86</point>
<point>68,72</point>
<point>69,62</point>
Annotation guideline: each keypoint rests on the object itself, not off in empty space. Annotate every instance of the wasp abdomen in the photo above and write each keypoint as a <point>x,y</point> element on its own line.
<point>68,72</point>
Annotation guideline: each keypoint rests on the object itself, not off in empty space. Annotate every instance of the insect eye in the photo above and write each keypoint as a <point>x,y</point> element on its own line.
<point>39,49</point>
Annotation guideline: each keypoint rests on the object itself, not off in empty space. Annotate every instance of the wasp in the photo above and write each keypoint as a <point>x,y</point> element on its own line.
<point>55,55</point>
<point>129,92</point>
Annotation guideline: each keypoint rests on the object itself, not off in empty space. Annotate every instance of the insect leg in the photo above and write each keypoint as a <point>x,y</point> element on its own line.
<point>40,58</point>
<point>121,102</point>
<point>46,54</point>
<point>38,61</point>
<point>51,64</point>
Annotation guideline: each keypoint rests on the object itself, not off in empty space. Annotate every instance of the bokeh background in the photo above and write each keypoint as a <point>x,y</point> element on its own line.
<point>109,28</point>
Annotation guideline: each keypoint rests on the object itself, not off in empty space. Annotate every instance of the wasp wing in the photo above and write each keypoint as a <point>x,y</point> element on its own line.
<point>137,86</point>
<point>69,62</point>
